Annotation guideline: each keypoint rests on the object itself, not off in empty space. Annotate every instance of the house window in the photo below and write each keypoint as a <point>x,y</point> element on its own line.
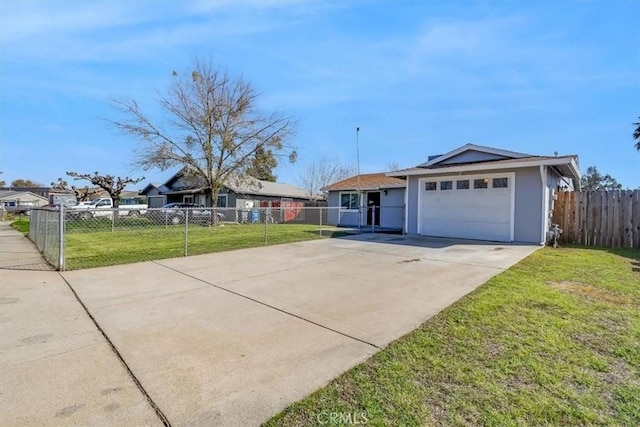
<point>430,186</point>
<point>187,199</point>
<point>500,182</point>
<point>446,185</point>
<point>223,201</point>
<point>349,200</point>
<point>481,183</point>
<point>462,185</point>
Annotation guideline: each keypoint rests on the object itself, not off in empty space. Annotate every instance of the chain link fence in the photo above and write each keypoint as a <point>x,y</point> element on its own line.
<point>46,231</point>
<point>100,237</point>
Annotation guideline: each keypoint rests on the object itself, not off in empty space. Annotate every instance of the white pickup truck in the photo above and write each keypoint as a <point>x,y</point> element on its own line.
<point>103,207</point>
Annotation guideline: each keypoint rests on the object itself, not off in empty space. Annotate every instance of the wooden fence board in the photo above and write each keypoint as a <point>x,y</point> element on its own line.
<point>599,218</point>
<point>628,219</point>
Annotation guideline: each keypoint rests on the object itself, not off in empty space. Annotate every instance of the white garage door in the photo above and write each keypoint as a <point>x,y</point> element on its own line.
<point>478,207</point>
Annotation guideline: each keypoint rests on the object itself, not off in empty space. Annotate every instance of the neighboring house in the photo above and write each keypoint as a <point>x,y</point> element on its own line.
<point>40,191</point>
<point>15,199</point>
<point>382,201</point>
<point>484,193</point>
<point>236,193</point>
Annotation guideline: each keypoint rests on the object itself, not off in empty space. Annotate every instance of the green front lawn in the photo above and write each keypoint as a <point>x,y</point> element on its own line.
<point>92,243</point>
<point>555,340</point>
<point>21,224</point>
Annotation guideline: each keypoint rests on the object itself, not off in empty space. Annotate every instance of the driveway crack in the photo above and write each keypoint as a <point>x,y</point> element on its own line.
<point>156,408</point>
<point>272,307</point>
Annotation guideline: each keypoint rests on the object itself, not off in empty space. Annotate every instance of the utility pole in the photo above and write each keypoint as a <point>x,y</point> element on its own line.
<point>358,178</point>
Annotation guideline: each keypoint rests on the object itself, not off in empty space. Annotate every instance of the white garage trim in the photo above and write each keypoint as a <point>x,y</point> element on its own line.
<point>512,187</point>
<point>406,207</point>
<point>545,204</point>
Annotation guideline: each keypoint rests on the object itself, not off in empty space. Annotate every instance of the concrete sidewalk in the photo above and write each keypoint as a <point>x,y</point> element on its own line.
<point>56,368</point>
<point>17,252</point>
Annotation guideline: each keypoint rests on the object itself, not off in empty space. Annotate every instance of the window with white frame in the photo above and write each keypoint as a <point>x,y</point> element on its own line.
<point>481,183</point>
<point>462,184</point>
<point>430,186</point>
<point>349,200</point>
<point>446,185</point>
<point>500,182</point>
<point>187,198</point>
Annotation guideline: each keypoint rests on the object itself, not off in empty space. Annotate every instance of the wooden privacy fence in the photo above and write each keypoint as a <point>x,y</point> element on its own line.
<point>599,218</point>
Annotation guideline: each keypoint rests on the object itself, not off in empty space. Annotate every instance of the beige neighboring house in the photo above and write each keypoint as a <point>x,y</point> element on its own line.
<point>19,201</point>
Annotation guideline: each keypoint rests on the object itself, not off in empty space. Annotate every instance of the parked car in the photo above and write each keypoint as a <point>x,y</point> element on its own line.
<point>175,213</point>
<point>103,207</point>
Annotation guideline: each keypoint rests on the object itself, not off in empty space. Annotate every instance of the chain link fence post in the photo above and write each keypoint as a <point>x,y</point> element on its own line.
<point>46,233</point>
<point>266,225</point>
<point>186,232</point>
<point>61,236</point>
<point>320,214</point>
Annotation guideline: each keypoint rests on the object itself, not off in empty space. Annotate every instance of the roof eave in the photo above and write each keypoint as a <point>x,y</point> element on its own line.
<point>492,166</point>
<point>365,188</point>
<point>474,147</point>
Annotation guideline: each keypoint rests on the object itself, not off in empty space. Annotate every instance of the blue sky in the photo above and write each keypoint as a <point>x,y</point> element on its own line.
<point>417,77</point>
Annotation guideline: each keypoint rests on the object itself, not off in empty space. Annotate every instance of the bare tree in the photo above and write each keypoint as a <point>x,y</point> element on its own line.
<point>393,166</point>
<point>109,183</point>
<point>321,173</point>
<point>212,128</point>
<point>82,194</point>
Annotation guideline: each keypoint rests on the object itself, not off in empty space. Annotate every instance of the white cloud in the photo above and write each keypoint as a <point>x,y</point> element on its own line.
<point>28,20</point>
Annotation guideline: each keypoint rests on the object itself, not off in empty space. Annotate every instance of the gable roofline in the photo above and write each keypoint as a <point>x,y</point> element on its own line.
<point>566,164</point>
<point>16,194</point>
<point>474,147</point>
<point>241,186</point>
<point>151,184</point>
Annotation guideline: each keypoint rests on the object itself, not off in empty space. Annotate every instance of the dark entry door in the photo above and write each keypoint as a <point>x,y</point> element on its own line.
<point>373,199</point>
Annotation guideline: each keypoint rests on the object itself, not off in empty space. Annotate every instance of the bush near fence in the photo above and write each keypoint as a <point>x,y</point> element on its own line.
<point>599,218</point>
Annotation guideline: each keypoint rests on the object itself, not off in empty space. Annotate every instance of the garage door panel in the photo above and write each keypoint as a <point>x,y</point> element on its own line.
<point>479,214</point>
<point>468,230</point>
<point>482,214</point>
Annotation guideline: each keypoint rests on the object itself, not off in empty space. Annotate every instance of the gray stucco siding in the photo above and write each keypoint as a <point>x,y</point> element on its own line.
<point>528,209</point>
<point>391,209</point>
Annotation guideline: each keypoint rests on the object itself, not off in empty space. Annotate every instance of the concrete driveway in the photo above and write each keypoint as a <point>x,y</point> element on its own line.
<point>233,338</point>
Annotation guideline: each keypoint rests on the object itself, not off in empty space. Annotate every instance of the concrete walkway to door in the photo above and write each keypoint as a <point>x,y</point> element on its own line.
<point>232,338</point>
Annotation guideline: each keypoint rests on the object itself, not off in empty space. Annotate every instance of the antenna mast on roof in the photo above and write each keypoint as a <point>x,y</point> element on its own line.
<point>358,176</point>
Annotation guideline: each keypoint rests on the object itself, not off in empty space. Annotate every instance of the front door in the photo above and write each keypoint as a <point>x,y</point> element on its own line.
<point>373,201</point>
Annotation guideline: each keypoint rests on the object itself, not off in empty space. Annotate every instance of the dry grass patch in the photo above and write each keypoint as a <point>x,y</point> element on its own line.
<point>589,291</point>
